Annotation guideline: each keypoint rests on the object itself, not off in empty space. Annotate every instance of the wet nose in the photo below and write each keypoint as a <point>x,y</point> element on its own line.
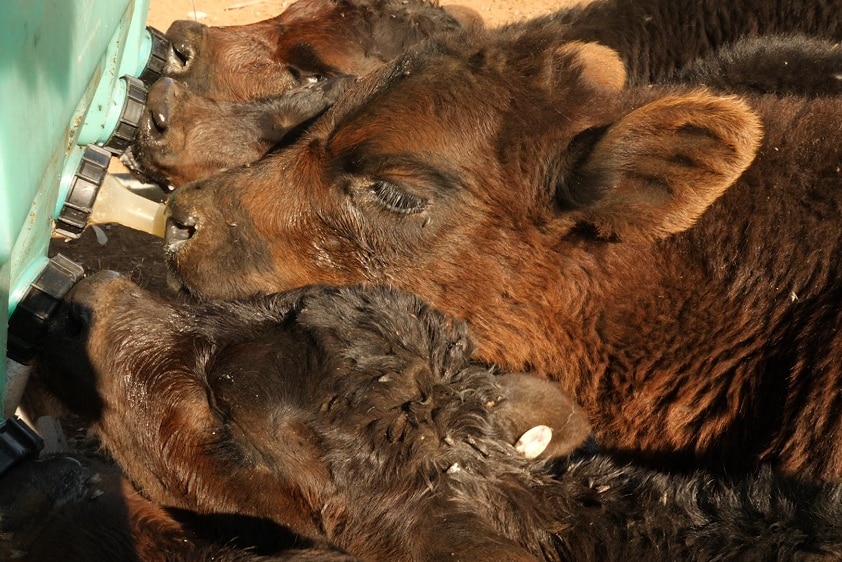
<point>89,290</point>
<point>160,103</point>
<point>82,300</point>
<point>186,38</point>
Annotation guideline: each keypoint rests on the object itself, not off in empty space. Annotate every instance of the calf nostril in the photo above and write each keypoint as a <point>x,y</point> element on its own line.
<point>186,38</point>
<point>180,230</point>
<point>78,320</point>
<point>183,52</point>
<point>160,118</point>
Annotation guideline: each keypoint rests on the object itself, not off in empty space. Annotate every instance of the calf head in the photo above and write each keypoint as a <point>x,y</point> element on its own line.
<point>240,89</point>
<point>183,136</point>
<point>479,171</point>
<point>345,414</point>
<point>310,40</point>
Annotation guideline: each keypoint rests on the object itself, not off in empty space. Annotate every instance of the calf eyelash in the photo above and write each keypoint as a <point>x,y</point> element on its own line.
<point>396,199</point>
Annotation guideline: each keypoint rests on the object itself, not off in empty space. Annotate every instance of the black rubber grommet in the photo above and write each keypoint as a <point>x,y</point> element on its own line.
<point>157,57</point>
<point>84,188</point>
<point>28,323</point>
<point>133,107</point>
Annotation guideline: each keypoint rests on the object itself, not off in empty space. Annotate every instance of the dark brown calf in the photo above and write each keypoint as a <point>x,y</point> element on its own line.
<point>318,38</point>
<point>355,417</point>
<point>670,256</point>
<point>793,64</point>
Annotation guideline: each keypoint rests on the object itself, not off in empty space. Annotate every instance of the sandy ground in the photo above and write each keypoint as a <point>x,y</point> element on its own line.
<point>236,12</point>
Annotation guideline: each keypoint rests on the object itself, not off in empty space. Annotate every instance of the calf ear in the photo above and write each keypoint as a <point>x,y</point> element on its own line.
<point>464,16</point>
<point>658,168</point>
<point>538,417</point>
<point>600,68</point>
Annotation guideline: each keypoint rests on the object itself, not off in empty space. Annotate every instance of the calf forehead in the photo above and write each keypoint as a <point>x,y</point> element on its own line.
<point>425,109</point>
<point>459,104</point>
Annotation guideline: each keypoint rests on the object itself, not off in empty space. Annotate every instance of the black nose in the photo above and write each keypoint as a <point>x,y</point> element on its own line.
<point>88,292</point>
<point>82,299</point>
<point>179,230</point>
<point>78,320</point>
<point>186,38</point>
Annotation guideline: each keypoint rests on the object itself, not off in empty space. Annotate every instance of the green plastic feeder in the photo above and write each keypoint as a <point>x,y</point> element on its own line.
<point>72,76</point>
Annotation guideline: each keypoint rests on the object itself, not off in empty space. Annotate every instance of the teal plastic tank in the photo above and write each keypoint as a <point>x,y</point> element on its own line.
<point>61,88</point>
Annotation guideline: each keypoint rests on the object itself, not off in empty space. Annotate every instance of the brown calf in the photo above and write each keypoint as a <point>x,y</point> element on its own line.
<point>318,38</point>
<point>240,90</point>
<point>187,137</point>
<point>668,255</point>
<point>355,417</point>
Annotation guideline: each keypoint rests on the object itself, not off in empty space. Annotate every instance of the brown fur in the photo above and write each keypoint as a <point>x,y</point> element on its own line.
<point>640,246</point>
<point>184,137</point>
<point>319,37</point>
<point>206,132</point>
<point>308,40</point>
<point>656,38</point>
<point>354,416</point>
<point>241,90</point>
<point>82,509</point>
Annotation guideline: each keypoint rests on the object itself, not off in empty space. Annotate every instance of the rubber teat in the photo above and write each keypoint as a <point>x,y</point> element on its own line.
<point>116,203</point>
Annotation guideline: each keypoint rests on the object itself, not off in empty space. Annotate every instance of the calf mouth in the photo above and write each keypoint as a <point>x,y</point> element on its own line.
<point>178,233</point>
<point>144,173</point>
<point>143,156</point>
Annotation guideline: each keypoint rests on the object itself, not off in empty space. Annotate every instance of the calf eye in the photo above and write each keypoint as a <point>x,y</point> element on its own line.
<point>396,199</point>
<point>305,78</point>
